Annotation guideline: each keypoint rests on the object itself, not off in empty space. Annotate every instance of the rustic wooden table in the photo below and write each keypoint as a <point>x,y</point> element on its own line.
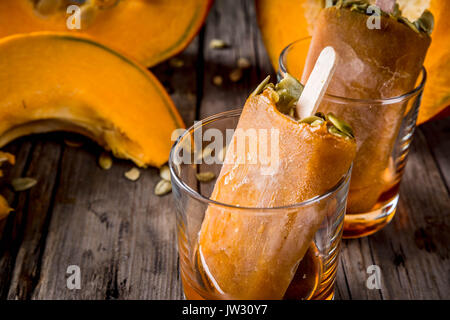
<point>123,237</point>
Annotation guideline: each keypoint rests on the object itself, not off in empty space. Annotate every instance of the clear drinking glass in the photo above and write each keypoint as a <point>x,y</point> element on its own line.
<point>384,129</point>
<point>315,275</point>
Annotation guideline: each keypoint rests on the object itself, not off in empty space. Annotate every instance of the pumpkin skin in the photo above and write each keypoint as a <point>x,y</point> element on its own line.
<point>284,21</point>
<point>51,81</point>
<point>147,30</point>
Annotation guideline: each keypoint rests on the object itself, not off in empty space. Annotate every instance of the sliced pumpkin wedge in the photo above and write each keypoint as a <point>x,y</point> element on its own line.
<point>283,21</point>
<point>4,208</point>
<point>52,81</point>
<point>150,31</point>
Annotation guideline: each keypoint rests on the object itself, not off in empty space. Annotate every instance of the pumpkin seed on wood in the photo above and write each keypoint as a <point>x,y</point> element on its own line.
<point>218,44</point>
<point>236,75</point>
<point>133,174</point>
<point>163,187</point>
<point>73,143</point>
<point>22,184</point>
<point>217,80</point>
<point>105,161</point>
<point>205,176</point>
<point>243,63</point>
<point>164,173</point>
<point>176,63</point>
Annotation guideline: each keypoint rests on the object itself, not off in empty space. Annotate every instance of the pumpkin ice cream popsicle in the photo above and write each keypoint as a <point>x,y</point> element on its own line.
<point>256,256</point>
<point>378,61</point>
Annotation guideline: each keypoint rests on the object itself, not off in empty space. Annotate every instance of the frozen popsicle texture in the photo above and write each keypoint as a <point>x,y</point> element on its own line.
<point>255,255</point>
<point>375,64</point>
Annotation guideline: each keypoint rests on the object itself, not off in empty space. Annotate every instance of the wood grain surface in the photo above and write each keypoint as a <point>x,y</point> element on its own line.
<point>123,237</point>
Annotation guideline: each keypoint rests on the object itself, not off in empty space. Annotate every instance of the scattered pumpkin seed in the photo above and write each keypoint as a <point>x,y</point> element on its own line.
<point>105,161</point>
<point>317,123</point>
<point>176,63</point>
<point>341,125</point>
<point>73,143</point>
<point>163,187</point>
<point>243,63</point>
<point>260,88</point>
<point>22,184</point>
<point>133,174</point>
<point>218,80</point>
<point>335,131</point>
<point>310,119</point>
<point>274,95</point>
<point>236,75</point>
<point>218,44</point>
<point>164,173</point>
<point>425,22</point>
<point>206,176</point>
<point>289,89</point>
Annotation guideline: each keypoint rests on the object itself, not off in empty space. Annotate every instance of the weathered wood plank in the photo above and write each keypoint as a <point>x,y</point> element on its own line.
<point>412,251</point>
<point>437,134</point>
<point>35,206</point>
<point>11,227</point>
<point>235,23</point>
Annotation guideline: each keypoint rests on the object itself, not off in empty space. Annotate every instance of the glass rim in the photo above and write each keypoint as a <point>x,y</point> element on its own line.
<point>196,195</point>
<point>334,98</point>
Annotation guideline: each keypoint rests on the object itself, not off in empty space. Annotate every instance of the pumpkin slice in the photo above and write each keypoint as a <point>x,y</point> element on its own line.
<point>4,208</point>
<point>284,21</point>
<point>51,81</point>
<point>150,31</point>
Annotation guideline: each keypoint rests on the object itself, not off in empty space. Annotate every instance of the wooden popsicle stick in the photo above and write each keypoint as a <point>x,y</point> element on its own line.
<point>317,83</point>
<point>386,5</point>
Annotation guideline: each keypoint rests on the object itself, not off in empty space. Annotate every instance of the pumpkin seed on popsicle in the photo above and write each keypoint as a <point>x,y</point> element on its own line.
<point>251,256</point>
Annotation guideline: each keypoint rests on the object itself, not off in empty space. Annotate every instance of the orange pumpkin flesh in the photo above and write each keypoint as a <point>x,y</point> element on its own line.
<point>149,31</point>
<point>284,21</point>
<point>4,208</point>
<point>51,81</point>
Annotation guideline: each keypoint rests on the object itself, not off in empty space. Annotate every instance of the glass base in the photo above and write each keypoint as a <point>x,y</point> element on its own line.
<point>311,282</point>
<point>365,224</point>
